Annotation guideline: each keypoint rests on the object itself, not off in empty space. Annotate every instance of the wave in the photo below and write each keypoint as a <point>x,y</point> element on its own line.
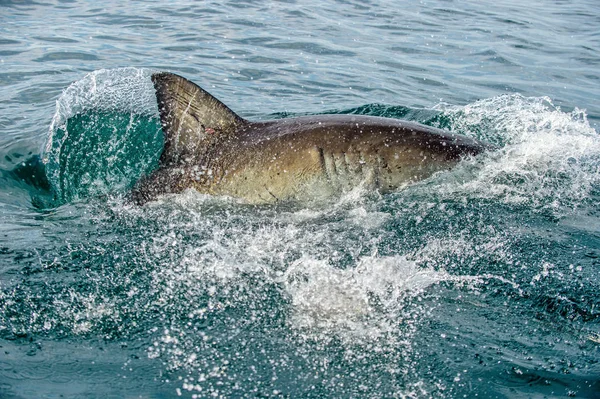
<point>104,135</point>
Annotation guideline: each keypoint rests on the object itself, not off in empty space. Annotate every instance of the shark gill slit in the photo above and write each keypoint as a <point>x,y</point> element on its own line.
<point>330,170</point>
<point>272,195</point>
<point>322,162</point>
<point>353,171</point>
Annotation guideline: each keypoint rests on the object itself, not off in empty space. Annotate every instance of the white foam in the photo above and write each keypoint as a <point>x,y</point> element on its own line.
<point>359,300</point>
<point>549,159</point>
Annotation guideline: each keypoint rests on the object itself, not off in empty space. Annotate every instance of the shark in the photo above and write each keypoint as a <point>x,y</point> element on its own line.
<point>209,148</point>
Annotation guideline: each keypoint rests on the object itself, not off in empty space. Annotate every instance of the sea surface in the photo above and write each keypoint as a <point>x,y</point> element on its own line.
<point>482,281</point>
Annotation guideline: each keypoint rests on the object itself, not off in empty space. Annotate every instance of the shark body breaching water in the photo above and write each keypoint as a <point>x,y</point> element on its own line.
<point>213,150</point>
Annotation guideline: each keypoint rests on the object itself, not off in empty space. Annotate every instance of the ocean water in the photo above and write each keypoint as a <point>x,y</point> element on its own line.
<point>482,281</point>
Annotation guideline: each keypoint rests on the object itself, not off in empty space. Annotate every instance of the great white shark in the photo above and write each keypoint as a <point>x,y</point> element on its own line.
<point>210,148</point>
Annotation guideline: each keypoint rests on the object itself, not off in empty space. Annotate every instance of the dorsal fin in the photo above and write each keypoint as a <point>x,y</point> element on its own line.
<point>189,116</point>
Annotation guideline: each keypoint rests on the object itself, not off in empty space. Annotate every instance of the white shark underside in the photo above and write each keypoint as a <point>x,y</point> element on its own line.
<point>210,148</point>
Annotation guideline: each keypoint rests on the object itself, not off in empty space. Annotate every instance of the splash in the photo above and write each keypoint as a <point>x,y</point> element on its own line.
<point>104,135</point>
<point>341,299</point>
<point>549,159</point>
<point>122,89</point>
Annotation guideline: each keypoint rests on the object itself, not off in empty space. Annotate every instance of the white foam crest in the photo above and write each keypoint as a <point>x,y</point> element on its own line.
<point>513,118</point>
<point>361,301</point>
<point>549,158</point>
<point>123,89</point>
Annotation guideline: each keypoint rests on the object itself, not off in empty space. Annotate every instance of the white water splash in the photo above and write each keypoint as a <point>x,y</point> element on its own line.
<point>365,301</point>
<point>123,89</point>
<point>549,159</point>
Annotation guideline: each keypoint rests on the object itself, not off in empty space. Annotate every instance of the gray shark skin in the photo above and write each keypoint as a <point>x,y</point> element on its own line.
<point>211,149</point>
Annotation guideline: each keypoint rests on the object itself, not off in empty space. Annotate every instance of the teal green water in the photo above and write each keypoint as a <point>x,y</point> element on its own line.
<point>122,149</point>
<point>478,282</point>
